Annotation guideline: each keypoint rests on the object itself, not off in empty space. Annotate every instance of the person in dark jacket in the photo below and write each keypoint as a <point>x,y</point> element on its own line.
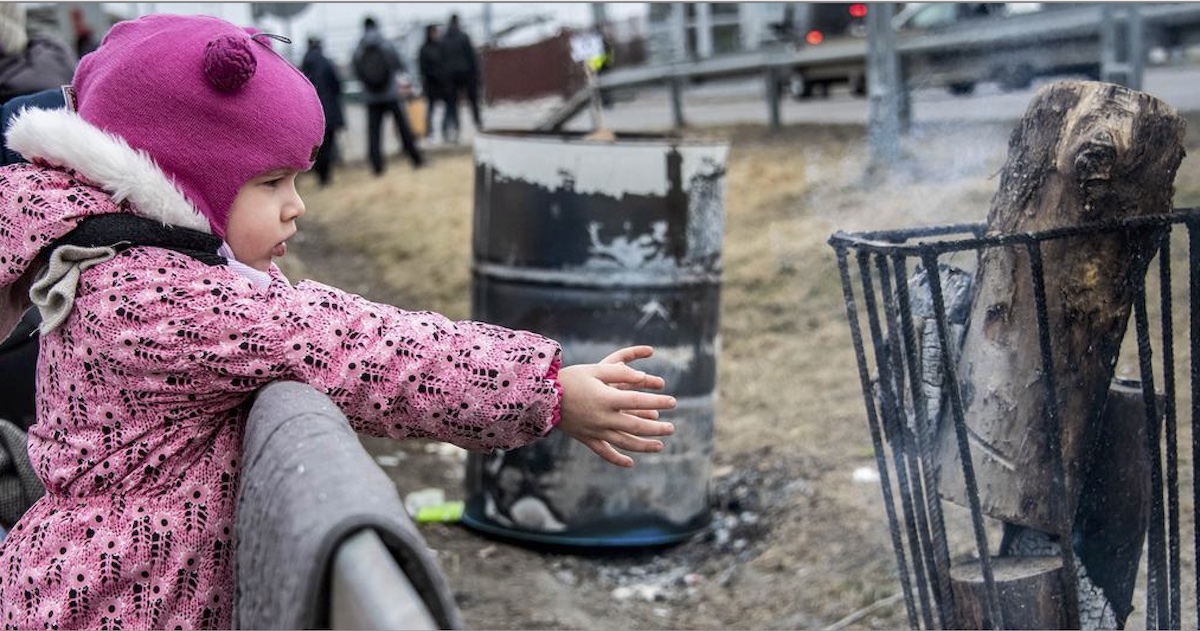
<point>33,69</point>
<point>85,37</point>
<point>462,74</point>
<point>325,78</point>
<point>19,352</point>
<point>30,62</point>
<point>384,99</point>
<point>433,77</point>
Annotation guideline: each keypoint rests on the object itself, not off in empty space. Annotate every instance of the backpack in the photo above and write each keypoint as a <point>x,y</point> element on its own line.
<point>373,68</point>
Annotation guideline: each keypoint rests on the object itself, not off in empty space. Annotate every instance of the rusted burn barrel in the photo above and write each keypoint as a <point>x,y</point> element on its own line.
<point>601,245</point>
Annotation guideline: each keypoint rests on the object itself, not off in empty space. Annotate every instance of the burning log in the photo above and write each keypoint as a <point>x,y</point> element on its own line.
<point>1084,152</point>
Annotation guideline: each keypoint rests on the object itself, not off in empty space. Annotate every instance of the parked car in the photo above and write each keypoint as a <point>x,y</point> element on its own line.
<point>1011,63</point>
<point>810,24</point>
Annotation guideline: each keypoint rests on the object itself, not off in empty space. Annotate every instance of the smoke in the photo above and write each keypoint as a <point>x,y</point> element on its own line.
<point>946,174</point>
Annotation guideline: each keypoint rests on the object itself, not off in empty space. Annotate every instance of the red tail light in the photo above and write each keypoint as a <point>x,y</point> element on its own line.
<point>858,10</point>
<point>814,37</point>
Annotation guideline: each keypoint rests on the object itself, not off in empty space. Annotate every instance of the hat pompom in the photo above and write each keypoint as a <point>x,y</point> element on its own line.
<point>228,62</point>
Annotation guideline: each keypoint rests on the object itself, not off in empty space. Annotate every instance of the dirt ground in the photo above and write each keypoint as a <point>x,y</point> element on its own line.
<point>799,537</point>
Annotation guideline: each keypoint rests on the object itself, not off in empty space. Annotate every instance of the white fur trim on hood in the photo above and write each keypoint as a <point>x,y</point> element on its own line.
<point>61,137</point>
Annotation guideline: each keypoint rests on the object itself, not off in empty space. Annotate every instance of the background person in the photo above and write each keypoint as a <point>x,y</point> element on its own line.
<point>33,67</point>
<point>325,78</point>
<point>85,36</point>
<point>461,67</point>
<point>433,77</point>
<point>376,64</point>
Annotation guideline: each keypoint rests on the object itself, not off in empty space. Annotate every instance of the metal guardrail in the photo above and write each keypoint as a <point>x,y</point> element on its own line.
<point>323,537</point>
<point>370,591</point>
<point>1079,22</point>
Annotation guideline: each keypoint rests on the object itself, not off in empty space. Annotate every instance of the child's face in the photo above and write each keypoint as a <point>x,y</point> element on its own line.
<point>263,217</point>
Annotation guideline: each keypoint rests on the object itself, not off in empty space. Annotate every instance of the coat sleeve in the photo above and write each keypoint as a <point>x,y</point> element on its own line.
<point>418,374</point>
<point>394,373</point>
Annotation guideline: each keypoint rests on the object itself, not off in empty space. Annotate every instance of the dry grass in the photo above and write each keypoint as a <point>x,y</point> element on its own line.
<point>788,386</point>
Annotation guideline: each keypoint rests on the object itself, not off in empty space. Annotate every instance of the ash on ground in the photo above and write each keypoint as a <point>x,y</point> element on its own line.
<point>745,502</point>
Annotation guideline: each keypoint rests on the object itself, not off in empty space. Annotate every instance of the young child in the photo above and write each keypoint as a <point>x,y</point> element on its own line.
<point>145,229</point>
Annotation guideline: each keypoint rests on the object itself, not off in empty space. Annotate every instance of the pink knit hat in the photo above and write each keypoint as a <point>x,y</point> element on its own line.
<point>211,104</point>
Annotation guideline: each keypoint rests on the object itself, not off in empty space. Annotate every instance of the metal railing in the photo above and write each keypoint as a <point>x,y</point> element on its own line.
<point>323,537</point>
<point>370,590</point>
<point>1079,22</point>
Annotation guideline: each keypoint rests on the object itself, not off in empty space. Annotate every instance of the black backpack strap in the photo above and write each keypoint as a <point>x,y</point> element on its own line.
<point>123,231</point>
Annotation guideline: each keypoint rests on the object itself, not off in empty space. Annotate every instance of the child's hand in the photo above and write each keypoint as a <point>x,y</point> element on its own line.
<point>602,409</point>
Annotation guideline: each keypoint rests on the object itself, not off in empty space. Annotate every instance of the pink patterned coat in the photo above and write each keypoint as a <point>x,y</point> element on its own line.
<point>143,392</point>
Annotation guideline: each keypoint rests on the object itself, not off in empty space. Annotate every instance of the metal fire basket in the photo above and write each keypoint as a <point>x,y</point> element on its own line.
<point>876,271</point>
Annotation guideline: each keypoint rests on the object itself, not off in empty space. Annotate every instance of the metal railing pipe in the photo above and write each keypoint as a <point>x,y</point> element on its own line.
<point>323,538</point>
<point>370,591</point>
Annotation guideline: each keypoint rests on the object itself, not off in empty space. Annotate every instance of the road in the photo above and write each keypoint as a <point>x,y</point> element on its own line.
<point>738,101</point>
<point>743,101</point>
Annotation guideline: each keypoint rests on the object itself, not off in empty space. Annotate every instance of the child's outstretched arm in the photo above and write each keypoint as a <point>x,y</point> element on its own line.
<point>603,409</point>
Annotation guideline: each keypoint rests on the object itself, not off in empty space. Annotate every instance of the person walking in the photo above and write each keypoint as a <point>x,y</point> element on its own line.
<point>85,36</point>
<point>376,64</point>
<point>433,79</point>
<point>462,75</point>
<point>604,63</point>
<point>325,78</point>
